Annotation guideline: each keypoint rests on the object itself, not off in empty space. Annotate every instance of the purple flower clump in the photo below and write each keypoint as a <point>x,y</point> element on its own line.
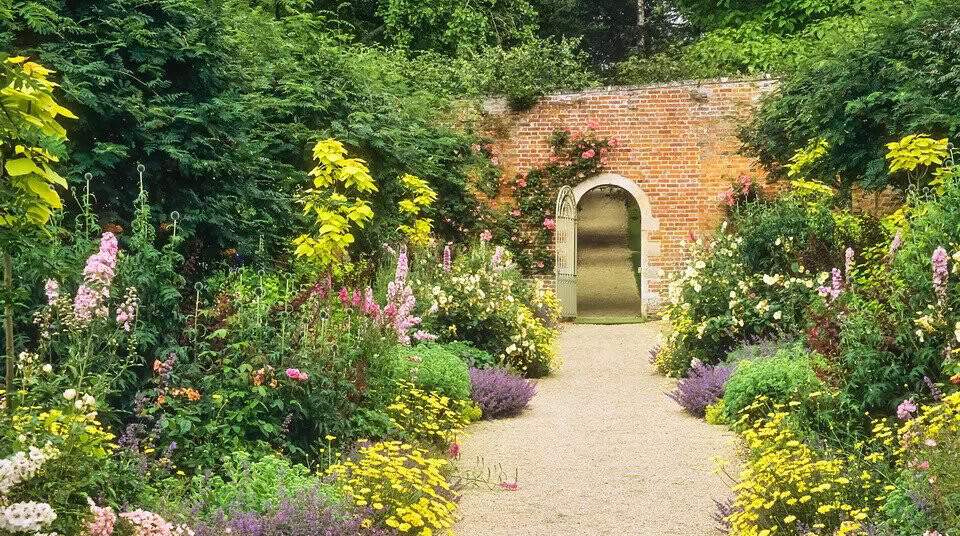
<point>499,393</point>
<point>306,514</point>
<point>703,386</point>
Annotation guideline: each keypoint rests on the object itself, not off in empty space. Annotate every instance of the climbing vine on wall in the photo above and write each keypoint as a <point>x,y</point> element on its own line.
<point>526,225</point>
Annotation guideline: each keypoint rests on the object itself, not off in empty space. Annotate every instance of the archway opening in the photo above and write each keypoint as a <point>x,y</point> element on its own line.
<point>609,253</point>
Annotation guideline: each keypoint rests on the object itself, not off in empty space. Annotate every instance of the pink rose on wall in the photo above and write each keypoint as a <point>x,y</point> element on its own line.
<point>521,182</point>
<point>549,224</point>
<point>593,125</point>
<point>589,154</point>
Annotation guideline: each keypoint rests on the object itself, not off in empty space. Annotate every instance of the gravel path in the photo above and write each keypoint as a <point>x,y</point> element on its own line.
<point>600,451</point>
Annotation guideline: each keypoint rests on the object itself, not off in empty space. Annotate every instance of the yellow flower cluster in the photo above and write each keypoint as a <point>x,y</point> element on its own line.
<point>427,417</point>
<point>405,487</point>
<point>70,429</point>
<point>787,485</point>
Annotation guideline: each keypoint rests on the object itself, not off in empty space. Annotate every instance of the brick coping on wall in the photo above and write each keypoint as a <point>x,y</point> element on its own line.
<point>496,105</point>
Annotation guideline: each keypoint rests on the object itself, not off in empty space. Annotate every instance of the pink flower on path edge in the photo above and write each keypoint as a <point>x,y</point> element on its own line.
<point>454,450</point>
<point>512,486</point>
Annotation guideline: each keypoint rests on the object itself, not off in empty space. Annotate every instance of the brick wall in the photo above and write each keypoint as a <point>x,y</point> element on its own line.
<point>676,141</point>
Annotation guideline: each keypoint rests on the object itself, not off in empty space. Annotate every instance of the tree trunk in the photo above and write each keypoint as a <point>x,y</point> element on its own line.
<point>8,326</point>
<point>641,23</point>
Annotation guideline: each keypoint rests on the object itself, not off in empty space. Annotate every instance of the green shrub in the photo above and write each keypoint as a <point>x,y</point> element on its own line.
<point>779,378</point>
<point>259,484</point>
<point>493,307</point>
<point>437,369</point>
<point>470,354</point>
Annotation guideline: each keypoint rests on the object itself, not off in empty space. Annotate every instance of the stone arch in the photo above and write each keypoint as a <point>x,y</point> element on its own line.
<point>648,224</point>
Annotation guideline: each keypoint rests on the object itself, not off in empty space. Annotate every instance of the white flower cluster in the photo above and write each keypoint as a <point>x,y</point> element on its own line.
<point>22,466</point>
<point>24,517</point>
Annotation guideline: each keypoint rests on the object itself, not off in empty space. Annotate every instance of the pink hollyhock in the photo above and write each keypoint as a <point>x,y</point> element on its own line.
<point>905,410</point>
<point>549,223</point>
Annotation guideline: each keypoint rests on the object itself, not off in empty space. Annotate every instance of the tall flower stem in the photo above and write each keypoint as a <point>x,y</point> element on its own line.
<point>8,326</point>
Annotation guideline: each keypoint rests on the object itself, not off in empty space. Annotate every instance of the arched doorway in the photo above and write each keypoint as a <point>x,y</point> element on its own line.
<point>568,250</point>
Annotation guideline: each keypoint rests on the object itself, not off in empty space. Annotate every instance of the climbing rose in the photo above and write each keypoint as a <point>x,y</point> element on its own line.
<point>588,154</point>
<point>593,125</point>
<point>549,223</point>
<point>297,375</point>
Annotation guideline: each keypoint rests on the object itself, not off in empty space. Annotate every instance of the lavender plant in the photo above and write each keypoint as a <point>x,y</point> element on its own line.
<point>305,514</point>
<point>499,393</point>
<point>703,386</point>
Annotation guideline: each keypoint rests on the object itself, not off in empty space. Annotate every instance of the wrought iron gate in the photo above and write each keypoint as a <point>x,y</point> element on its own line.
<point>566,251</point>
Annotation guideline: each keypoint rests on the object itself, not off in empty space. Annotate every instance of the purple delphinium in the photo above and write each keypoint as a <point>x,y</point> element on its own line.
<point>935,391</point>
<point>500,393</point>
<point>306,514</point>
<point>939,261</point>
<point>703,386</point>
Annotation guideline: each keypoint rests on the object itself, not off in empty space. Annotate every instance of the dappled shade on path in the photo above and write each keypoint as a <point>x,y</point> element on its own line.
<point>601,451</point>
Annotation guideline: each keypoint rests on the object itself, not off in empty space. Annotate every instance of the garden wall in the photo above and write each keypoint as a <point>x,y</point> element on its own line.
<point>676,141</point>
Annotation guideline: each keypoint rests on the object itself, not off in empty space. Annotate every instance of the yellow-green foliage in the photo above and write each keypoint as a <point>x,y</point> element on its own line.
<point>916,150</point>
<point>29,115</point>
<point>717,413</point>
<point>787,484</point>
<point>404,486</point>
<point>335,203</point>
<point>417,196</point>
<point>65,430</point>
<point>801,162</point>
<point>427,417</point>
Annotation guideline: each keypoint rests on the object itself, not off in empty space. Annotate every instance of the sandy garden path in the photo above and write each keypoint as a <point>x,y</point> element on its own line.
<point>600,451</point>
